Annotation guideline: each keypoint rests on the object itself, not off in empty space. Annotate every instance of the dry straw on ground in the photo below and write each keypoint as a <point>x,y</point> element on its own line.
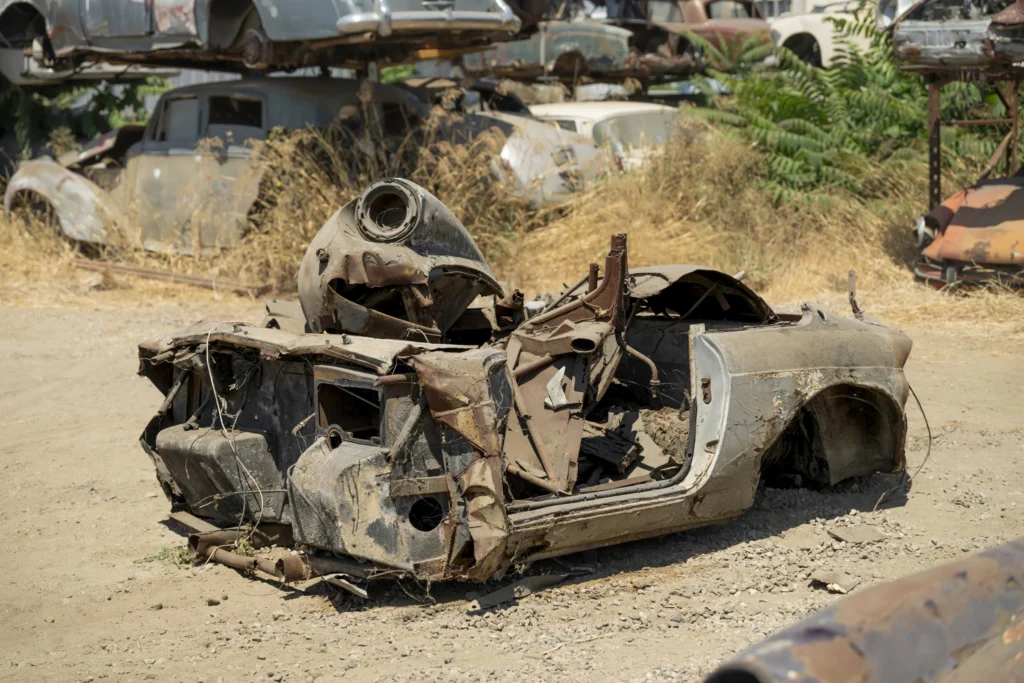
<point>703,201</point>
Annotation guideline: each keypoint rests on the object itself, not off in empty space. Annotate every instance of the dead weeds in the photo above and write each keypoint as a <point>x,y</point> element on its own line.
<point>705,200</point>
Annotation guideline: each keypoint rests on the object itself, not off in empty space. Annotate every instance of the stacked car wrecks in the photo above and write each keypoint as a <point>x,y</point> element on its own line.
<point>403,428</point>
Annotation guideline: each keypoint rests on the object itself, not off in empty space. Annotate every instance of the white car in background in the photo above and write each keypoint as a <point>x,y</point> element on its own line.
<point>811,35</point>
<point>633,130</point>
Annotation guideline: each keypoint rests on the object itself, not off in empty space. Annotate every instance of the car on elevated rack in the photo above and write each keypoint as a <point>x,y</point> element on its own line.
<point>415,421</point>
<point>242,34</point>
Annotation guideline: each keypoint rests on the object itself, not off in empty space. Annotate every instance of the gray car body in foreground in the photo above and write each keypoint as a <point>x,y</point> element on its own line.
<point>232,34</point>
<point>392,428</point>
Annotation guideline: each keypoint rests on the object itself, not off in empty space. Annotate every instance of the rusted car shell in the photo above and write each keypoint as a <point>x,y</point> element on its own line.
<point>436,460</point>
<point>961,621</point>
<point>978,228</point>
<point>83,209</point>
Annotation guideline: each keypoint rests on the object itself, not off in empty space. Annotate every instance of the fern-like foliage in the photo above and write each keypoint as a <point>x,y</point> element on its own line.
<point>830,127</point>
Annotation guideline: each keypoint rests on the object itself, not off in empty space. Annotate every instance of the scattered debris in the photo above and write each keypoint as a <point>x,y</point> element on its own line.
<point>861,533</point>
<point>520,589</point>
<point>835,582</point>
<point>105,268</point>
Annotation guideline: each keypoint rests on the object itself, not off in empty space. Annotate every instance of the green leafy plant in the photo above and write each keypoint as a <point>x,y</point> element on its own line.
<point>85,110</point>
<point>833,126</point>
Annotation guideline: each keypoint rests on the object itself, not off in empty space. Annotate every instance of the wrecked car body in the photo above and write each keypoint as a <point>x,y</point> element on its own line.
<point>976,236</point>
<point>400,429</point>
<point>937,35</point>
<point>237,36</point>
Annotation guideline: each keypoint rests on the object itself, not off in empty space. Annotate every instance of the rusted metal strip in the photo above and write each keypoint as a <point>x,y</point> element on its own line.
<point>533,366</point>
<point>998,154</point>
<point>980,122</point>
<point>389,380</point>
<point>536,481</point>
<point>935,626</point>
<point>154,274</point>
<point>192,523</point>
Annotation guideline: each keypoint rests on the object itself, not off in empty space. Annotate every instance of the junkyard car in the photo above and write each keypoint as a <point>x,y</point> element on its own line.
<point>168,184</point>
<point>253,35</point>
<point>409,432</point>
<point>162,181</point>
<point>943,34</point>
<point>633,130</point>
<point>540,163</point>
<point>975,236</point>
<point>811,35</point>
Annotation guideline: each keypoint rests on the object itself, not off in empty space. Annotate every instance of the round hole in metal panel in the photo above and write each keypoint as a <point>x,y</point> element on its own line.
<point>426,514</point>
<point>334,437</point>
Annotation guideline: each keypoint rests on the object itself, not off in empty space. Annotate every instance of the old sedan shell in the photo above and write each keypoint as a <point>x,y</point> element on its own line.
<point>642,402</point>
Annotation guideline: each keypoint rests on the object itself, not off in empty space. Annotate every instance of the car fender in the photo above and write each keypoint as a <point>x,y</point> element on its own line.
<point>82,207</point>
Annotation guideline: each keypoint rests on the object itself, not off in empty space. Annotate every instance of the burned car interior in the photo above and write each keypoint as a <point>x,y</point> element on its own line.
<point>416,420</point>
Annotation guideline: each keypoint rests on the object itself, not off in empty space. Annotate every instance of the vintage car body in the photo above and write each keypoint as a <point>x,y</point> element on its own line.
<point>575,51</point>
<point>811,35</point>
<point>408,433</point>
<point>975,236</point>
<point>539,163</point>
<point>161,181</point>
<point>167,185</point>
<point>253,35</point>
<point>942,34</point>
<point>661,26</point>
<point>632,130</point>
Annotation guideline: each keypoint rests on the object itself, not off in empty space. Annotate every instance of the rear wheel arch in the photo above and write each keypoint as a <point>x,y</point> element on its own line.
<point>843,431</point>
<point>23,22</point>
<point>228,20</point>
<point>37,208</point>
<point>805,46</point>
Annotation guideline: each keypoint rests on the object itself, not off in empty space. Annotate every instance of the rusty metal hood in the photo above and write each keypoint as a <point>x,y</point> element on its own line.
<point>394,263</point>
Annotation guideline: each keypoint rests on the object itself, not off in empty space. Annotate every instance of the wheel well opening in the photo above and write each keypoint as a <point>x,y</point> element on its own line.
<point>843,431</point>
<point>21,24</point>
<point>229,19</point>
<point>805,46</point>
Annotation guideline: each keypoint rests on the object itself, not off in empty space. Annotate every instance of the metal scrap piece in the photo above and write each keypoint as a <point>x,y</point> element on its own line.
<point>520,589</point>
<point>861,533</point>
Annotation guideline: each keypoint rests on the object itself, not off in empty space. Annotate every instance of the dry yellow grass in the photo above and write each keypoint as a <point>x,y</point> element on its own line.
<point>701,202</point>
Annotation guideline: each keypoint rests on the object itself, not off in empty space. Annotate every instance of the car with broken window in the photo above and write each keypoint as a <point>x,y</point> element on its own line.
<point>187,179</point>
<point>975,237</point>
<point>242,34</point>
<point>417,420</point>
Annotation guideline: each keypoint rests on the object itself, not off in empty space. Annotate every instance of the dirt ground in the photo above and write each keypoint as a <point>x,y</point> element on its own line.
<point>93,591</point>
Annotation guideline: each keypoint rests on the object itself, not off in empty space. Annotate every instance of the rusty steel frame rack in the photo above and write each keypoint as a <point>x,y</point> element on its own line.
<point>1006,84</point>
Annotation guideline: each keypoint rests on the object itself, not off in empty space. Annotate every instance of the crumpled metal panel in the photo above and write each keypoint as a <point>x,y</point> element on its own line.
<point>82,207</point>
<point>469,393</point>
<point>959,622</point>
<point>983,225</point>
<point>394,235</point>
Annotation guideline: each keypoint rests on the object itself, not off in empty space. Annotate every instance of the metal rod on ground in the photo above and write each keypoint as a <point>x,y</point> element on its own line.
<point>153,274</point>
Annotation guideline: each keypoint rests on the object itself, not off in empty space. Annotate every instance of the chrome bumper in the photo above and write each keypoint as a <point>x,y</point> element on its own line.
<point>384,22</point>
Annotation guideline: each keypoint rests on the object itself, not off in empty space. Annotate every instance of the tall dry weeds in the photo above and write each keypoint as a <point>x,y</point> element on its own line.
<point>705,200</point>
